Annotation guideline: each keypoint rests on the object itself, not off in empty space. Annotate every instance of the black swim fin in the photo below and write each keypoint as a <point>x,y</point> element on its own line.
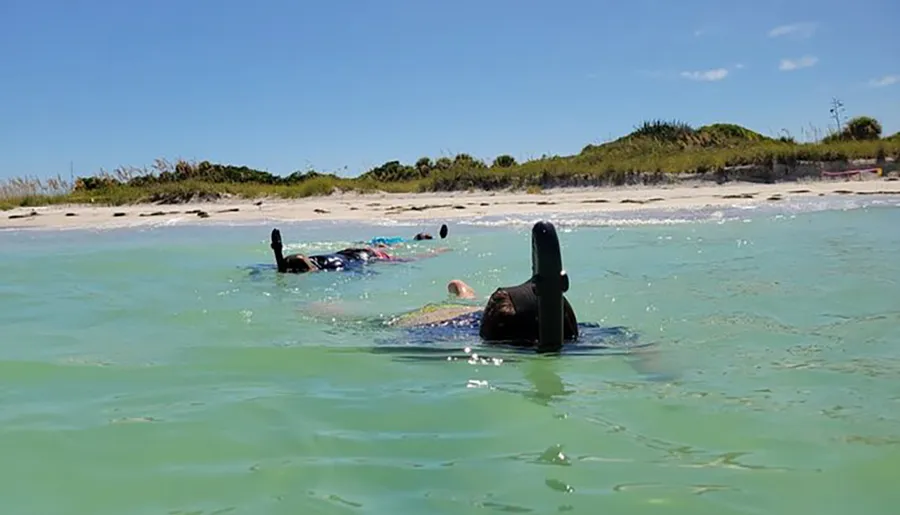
<point>550,282</point>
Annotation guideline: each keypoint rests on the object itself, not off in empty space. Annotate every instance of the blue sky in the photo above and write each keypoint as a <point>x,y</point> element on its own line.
<point>343,86</point>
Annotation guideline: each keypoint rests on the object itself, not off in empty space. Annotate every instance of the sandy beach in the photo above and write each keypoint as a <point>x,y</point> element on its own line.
<point>438,206</point>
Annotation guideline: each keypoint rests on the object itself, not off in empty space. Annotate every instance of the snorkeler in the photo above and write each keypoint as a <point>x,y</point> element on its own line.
<point>340,260</point>
<point>533,314</point>
<point>511,316</point>
<point>387,242</point>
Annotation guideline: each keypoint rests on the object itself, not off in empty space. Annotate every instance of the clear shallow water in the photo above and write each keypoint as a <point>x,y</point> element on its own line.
<point>169,370</point>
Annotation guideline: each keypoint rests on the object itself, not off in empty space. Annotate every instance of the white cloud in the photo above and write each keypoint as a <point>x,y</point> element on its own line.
<point>739,66</point>
<point>708,75</point>
<point>887,80</point>
<point>798,30</point>
<point>788,65</point>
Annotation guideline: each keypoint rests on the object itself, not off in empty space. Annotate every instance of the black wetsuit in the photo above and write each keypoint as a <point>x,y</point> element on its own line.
<point>344,259</point>
<point>518,326</point>
<point>466,327</point>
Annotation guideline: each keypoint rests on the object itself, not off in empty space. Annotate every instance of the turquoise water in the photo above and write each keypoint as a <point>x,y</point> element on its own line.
<point>167,370</point>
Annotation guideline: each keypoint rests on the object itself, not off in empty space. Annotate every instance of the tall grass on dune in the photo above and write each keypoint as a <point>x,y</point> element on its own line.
<point>655,151</point>
<point>33,191</point>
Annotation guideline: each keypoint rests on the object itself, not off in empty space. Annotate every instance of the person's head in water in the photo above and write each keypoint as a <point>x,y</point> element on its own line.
<point>427,236</point>
<point>511,314</point>
<point>294,263</point>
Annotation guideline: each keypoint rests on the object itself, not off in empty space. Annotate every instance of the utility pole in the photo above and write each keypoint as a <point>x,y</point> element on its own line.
<point>837,108</point>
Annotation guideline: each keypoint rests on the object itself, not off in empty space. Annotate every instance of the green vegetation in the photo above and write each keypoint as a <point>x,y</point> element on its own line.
<point>655,151</point>
<point>861,128</point>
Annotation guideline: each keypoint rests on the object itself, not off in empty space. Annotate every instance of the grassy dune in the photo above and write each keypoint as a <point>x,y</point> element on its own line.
<point>654,152</point>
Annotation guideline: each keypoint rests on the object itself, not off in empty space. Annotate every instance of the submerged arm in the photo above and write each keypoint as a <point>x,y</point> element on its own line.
<point>462,301</point>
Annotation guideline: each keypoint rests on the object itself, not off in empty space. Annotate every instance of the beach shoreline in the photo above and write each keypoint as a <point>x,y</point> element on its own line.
<point>440,206</point>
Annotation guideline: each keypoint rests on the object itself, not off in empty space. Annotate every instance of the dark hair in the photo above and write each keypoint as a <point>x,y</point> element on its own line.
<point>511,316</point>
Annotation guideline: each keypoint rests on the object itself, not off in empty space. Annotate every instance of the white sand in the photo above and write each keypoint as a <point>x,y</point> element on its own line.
<point>438,206</point>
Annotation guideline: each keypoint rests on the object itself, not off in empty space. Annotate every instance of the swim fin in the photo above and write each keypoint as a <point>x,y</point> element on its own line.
<point>550,282</point>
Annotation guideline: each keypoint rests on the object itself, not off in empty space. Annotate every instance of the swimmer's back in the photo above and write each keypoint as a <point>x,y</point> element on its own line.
<point>434,315</point>
<point>346,258</point>
<point>330,261</point>
<point>364,254</point>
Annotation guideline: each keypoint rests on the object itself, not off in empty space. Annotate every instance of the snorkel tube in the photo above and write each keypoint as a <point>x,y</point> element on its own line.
<point>550,282</point>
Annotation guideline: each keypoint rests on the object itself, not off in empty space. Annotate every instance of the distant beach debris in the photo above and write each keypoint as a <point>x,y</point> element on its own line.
<point>878,171</point>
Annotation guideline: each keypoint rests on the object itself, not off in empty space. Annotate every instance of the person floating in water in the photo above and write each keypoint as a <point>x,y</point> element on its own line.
<point>339,260</point>
<point>383,241</point>
<point>533,314</point>
<point>511,315</point>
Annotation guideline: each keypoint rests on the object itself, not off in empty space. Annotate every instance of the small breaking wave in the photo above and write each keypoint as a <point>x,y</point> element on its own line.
<point>681,216</point>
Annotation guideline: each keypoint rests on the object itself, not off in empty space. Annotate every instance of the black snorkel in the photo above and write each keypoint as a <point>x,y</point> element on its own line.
<point>277,247</point>
<point>550,282</point>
